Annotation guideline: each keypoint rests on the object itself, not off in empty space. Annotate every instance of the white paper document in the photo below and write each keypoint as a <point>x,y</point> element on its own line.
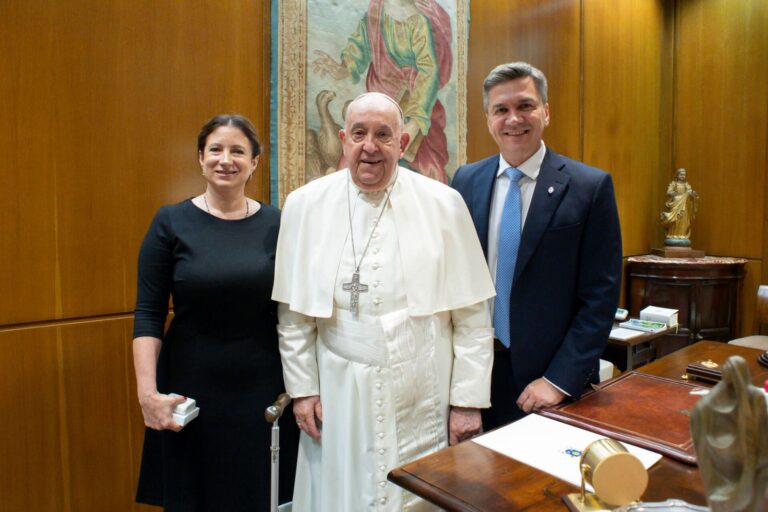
<point>622,333</point>
<point>551,446</point>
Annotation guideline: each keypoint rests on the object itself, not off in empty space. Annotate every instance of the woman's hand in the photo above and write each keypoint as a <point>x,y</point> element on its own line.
<point>157,409</point>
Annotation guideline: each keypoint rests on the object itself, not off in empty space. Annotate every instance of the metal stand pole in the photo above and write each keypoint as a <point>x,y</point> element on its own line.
<point>275,474</point>
<point>272,415</point>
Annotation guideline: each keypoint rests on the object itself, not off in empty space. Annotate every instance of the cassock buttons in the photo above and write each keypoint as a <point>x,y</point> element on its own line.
<point>381,451</point>
<point>376,265</point>
<point>381,435</point>
<point>378,385</point>
<point>382,484</point>
<point>379,418</point>
<point>379,402</point>
<point>382,468</point>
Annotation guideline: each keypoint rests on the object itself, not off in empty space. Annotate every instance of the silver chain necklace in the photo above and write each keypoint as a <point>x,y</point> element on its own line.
<point>205,200</point>
<point>355,287</point>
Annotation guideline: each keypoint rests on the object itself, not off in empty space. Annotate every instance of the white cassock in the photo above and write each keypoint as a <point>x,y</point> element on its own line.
<point>420,341</point>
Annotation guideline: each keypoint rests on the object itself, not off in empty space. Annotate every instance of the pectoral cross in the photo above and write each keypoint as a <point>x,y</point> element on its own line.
<point>355,289</point>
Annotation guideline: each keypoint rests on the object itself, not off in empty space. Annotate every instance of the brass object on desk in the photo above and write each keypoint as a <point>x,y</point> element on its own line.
<point>729,428</point>
<point>617,476</point>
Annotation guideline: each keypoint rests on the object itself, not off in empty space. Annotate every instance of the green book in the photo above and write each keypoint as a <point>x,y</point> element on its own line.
<point>643,325</point>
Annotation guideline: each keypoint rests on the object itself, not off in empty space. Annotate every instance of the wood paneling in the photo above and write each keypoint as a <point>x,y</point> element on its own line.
<point>98,426</point>
<point>32,451</point>
<point>72,429</point>
<point>546,34</point>
<point>621,108</point>
<point>101,102</point>
<point>721,113</point>
<point>720,131</point>
<point>104,106</point>
<point>28,174</point>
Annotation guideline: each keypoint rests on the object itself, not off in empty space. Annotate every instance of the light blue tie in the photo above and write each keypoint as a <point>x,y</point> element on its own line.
<point>509,242</point>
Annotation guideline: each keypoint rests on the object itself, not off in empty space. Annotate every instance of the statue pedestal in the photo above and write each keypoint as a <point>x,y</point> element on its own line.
<point>669,251</point>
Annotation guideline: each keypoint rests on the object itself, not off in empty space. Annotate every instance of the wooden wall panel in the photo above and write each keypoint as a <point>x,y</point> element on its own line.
<point>621,107</point>
<point>72,430</point>
<point>27,176</point>
<point>31,447</point>
<point>721,113</point>
<point>546,34</point>
<point>98,423</point>
<point>105,105</point>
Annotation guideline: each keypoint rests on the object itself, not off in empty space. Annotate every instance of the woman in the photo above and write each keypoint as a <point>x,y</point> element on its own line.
<point>214,255</point>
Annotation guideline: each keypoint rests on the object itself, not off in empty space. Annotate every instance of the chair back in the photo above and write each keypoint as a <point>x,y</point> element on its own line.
<point>761,311</point>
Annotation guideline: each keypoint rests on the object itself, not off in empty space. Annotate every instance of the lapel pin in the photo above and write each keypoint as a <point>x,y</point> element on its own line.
<point>550,190</point>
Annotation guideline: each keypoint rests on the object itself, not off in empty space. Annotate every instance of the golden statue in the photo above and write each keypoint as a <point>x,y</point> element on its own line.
<point>729,433</point>
<point>682,204</point>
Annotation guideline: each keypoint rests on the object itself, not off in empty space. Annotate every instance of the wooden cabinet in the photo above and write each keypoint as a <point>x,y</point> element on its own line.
<point>705,291</point>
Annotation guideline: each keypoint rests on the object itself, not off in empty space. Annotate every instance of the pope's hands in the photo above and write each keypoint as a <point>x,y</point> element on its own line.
<point>309,415</point>
<point>538,395</point>
<point>463,423</point>
<point>157,409</point>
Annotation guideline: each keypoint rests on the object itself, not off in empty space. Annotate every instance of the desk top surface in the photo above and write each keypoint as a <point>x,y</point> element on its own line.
<point>470,477</point>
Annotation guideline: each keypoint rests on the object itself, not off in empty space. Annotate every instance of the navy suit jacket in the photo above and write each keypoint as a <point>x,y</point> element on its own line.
<point>568,271</point>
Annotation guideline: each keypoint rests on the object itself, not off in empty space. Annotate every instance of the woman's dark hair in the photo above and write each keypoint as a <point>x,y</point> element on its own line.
<point>240,122</point>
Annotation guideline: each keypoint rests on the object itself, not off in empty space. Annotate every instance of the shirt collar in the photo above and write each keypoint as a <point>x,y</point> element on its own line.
<point>530,167</point>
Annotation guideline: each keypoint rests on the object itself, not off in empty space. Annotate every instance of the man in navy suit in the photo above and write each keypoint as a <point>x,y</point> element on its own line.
<point>553,319</point>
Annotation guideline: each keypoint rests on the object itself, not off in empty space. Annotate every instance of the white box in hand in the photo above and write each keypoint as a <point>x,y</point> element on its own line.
<point>183,419</point>
<point>185,411</point>
<point>664,315</point>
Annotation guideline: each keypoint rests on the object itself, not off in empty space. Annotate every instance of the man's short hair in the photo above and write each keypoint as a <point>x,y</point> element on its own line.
<point>512,71</point>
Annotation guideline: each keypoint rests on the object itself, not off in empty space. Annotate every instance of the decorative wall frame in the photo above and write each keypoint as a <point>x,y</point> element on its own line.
<point>327,52</point>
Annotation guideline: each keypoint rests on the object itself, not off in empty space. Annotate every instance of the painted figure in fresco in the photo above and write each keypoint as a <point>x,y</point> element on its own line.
<point>682,204</point>
<point>403,47</point>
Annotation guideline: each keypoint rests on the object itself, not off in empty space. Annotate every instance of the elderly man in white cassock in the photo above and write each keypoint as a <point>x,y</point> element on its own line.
<point>385,333</point>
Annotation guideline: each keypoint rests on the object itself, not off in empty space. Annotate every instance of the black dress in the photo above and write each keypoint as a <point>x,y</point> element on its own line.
<point>221,349</point>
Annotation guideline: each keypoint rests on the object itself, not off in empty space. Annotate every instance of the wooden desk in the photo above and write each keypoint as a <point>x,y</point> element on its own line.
<point>673,365</point>
<point>628,354</point>
<point>472,478</point>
